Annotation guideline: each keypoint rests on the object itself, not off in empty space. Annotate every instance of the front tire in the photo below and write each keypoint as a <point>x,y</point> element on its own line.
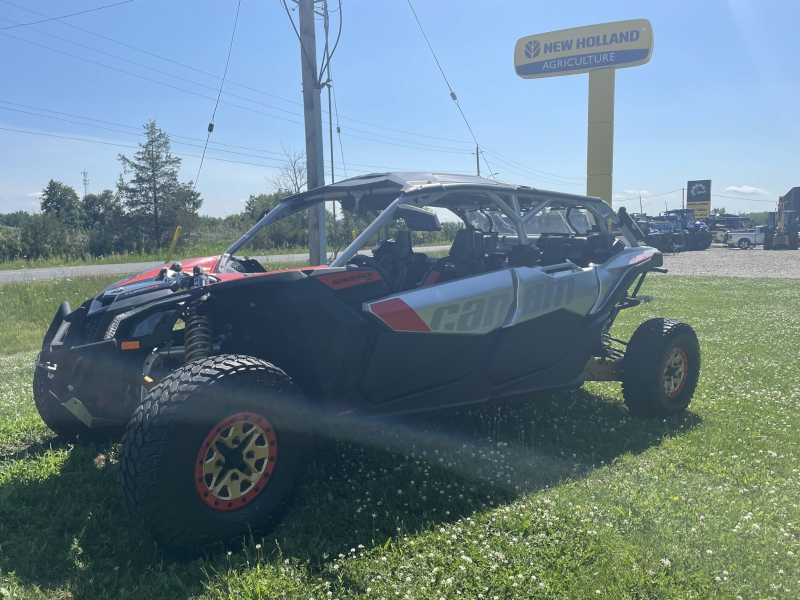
<point>661,368</point>
<point>213,453</point>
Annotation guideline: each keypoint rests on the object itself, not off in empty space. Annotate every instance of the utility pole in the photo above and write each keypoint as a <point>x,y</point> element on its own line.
<point>312,111</point>
<point>85,183</point>
<point>641,210</point>
<point>682,192</point>
<point>478,159</point>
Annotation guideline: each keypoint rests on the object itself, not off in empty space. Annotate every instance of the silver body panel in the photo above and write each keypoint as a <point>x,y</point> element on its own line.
<point>482,303</point>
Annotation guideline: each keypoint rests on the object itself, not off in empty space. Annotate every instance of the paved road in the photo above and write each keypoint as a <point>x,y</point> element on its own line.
<point>722,262</point>
<point>128,268</point>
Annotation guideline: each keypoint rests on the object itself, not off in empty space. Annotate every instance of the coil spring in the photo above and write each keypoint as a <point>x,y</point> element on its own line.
<point>609,351</point>
<point>198,341</point>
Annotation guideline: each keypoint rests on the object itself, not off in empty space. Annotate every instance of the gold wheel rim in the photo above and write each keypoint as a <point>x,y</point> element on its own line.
<point>675,372</point>
<point>235,461</point>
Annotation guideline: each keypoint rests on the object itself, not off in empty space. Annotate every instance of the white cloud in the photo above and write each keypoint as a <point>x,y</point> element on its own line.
<point>35,194</point>
<point>637,192</point>
<point>746,190</point>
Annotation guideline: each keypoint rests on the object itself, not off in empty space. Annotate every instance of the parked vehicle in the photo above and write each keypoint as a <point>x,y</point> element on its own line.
<point>719,225</point>
<point>224,371</point>
<point>746,239</point>
<point>697,232</point>
<point>783,226</point>
<point>666,234</point>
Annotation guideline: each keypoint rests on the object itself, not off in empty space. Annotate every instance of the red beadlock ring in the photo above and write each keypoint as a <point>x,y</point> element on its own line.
<point>681,355</point>
<point>260,427</point>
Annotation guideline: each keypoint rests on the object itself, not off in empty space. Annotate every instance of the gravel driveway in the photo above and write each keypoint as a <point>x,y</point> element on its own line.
<point>733,262</point>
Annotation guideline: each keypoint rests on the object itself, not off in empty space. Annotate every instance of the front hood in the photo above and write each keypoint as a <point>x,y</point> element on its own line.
<point>153,284</point>
<point>150,285</point>
<point>209,263</point>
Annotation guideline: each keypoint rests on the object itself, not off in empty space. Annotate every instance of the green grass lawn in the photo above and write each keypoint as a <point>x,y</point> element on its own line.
<point>133,257</point>
<point>566,496</point>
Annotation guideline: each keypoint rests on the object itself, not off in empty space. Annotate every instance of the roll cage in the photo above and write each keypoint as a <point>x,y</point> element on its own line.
<point>520,205</point>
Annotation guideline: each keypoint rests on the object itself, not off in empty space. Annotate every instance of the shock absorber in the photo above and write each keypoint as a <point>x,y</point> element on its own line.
<point>198,339</point>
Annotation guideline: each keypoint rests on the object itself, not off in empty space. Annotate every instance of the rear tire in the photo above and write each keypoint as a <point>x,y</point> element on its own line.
<point>744,244</point>
<point>661,368</point>
<point>213,453</point>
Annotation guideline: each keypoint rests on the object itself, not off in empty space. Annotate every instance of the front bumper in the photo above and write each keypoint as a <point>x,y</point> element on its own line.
<point>96,382</point>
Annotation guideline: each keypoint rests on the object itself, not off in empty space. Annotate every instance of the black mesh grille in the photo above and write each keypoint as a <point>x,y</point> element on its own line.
<point>91,328</point>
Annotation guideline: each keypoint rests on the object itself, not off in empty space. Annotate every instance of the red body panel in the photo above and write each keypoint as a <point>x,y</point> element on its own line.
<point>209,263</point>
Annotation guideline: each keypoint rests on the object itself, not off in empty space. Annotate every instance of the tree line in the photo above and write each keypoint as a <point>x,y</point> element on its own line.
<point>139,216</point>
<point>149,202</point>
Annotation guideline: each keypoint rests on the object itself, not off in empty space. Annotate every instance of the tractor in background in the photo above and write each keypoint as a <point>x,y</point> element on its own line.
<point>697,232</point>
<point>783,226</point>
<point>662,232</point>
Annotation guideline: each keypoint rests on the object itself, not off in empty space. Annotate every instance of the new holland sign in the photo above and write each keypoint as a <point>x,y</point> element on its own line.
<point>582,49</point>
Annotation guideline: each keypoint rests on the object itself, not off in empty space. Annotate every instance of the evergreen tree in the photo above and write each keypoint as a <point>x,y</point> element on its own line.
<point>153,196</point>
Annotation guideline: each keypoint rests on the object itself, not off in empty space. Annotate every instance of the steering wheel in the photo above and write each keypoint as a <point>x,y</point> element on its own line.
<point>361,260</point>
<point>395,268</point>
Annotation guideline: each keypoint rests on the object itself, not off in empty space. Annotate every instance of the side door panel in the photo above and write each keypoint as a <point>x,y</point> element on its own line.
<point>473,306</point>
<point>549,316</point>
<point>437,335</point>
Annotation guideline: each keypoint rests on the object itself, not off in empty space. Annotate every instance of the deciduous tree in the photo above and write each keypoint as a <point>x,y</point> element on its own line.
<point>62,202</point>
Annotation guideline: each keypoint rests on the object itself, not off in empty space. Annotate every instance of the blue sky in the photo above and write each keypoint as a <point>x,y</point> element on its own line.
<point>718,100</point>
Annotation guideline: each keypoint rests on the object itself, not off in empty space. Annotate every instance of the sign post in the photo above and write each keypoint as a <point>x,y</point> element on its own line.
<point>598,50</point>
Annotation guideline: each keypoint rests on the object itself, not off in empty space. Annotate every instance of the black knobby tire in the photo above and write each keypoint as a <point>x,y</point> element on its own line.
<point>646,376</point>
<point>159,455</point>
<point>62,422</point>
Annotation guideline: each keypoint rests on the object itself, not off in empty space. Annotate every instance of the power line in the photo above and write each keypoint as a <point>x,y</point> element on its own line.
<point>662,193</point>
<point>219,95</point>
<point>500,157</point>
<point>65,16</point>
<point>745,199</point>
<point>277,160</point>
<point>66,137</point>
<point>536,176</point>
<point>185,66</point>
<point>449,87</point>
<point>418,146</point>
<point>327,56</point>
<point>338,129</point>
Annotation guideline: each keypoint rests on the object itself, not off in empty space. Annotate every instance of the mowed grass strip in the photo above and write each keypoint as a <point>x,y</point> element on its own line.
<point>565,496</point>
<point>27,308</point>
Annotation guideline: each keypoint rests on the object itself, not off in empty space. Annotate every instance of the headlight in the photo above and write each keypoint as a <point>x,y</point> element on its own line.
<point>148,324</point>
<point>112,328</point>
